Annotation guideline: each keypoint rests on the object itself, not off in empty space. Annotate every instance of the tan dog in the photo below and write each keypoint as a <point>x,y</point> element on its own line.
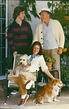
<point>49,92</point>
<point>24,68</point>
<point>24,60</point>
<point>21,68</point>
<point>23,65</point>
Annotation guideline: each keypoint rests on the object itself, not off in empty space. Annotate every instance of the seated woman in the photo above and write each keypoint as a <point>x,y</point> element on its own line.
<point>37,61</point>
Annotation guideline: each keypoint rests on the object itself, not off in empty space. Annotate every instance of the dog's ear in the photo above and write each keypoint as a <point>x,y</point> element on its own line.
<point>26,56</point>
<point>28,61</point>
<point>53,82</point>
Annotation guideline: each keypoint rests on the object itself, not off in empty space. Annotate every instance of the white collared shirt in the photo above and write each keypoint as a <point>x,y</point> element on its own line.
<point>49,41</point>
<point>38,62</point>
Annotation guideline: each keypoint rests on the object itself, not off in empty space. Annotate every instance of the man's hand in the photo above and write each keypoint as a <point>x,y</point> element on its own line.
<point>60,50</point>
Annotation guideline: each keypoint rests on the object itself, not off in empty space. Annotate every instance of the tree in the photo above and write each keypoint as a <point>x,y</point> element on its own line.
<point>60,9</point>
<point>30,8</point>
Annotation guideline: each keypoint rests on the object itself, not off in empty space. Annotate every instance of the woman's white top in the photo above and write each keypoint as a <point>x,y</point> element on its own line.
<point>38,62</point>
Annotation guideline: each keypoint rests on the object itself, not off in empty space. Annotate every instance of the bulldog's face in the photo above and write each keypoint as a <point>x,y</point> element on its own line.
<point>23,60</point>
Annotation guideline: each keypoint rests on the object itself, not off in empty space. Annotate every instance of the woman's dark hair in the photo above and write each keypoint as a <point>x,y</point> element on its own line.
<point>17,11</point>
<point>39,44</point>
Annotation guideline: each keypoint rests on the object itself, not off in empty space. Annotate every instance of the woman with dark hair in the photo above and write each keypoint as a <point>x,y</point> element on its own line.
<point>36,43</point>
<point>19,33</point>
<point>37,61</point>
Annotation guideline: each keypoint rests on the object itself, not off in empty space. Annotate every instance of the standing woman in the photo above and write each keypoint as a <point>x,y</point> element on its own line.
<point>19,33</point>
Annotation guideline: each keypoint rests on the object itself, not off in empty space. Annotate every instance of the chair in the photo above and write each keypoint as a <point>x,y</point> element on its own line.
<point>10,85</point>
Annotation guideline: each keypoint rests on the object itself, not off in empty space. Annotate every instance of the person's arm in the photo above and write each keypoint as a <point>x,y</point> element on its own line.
<point>61,35</point>
<point>10,39</point>
<point>49,74</point>
<point>61,39</point>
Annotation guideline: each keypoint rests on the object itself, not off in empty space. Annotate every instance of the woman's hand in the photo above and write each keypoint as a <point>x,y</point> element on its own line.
<point>53,78</point>
<point>14,53</point>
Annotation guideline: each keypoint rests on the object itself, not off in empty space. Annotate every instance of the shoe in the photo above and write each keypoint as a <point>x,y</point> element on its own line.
<point>28,85</point>
<point>23,101</point>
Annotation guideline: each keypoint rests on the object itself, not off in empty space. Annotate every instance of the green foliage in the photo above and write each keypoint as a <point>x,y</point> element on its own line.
<point>60,9</point>
<point>30,8</point>
<point>49,59</point>
<point>65,74</point>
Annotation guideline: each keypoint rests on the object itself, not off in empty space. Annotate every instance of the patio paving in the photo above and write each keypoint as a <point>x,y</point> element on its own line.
<point>13,100</point>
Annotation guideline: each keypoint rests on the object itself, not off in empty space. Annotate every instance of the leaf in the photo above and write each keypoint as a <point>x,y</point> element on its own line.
<point>30,8</point>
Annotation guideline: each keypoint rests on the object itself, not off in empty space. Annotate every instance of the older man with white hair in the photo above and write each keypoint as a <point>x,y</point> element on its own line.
<point>50,34</point>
